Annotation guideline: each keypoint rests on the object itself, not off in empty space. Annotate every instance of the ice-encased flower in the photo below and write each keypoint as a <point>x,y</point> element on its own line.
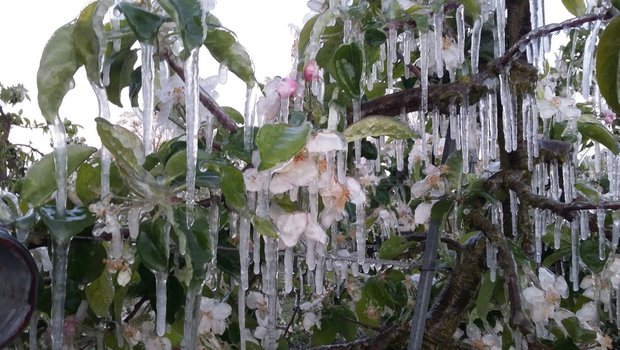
<point>292,225</point>
<point>213,315</point>
<point>542,303</point>
<point>552,105</point>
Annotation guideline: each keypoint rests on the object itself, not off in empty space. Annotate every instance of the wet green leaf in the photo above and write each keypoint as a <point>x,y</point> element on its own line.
<point>587,190</point>
<point>234,114</point>
<point>265,227</point>
<point>589,254</point>
<point>86,261</point>
<point>575,7</point>
<point>153,245</point>
<point>225,48</point>
<point>64,228</point>
<point>378,126</point>
<point>144,24</point>
<point>190,19</point>
<point>55,76</point>
<point>591,128</point>
<point>576,332</point>
<point>393,247</point>
<point>440,211</point>
<point>348,64</point>
<point>233,187</point>
<point>100,294</point>
<point>607,56</point>
<point>121,68</point>
<point>39,182</point>
<point>89,38</point>
<point>280,142</point>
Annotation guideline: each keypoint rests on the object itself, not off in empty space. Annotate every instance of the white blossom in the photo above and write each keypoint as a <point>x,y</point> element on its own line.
<point>213,315</point>
<point>542,303</point>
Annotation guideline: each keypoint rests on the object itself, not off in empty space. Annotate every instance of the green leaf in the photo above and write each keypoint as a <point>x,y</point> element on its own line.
<point>607,56</point>
<point>121,67</point>
<point>153,245</point>
<point>233,114</point>
<point>190,19</point>
<point>265,227</point>
<point>86,261</point>
<point>578,334</point>
<point>64,228</point>
<point>575,7</point>
<point>349,63</point>
<point>100,294</point>
<point>378,126</point>
<point>471,7</point>
<point>198,253</point>
<point>589,254</point>
<point>280,142</point>
<point>590,192</point>
<point>225,48</point>
<point>454,173</point>
<point>144,24</point>
<point>233,187</point>
<point>39,182</point>
<point>374,37</point>
<point>304,35</point>
<point>55,76</point>
<point>89,38</point>
<point>393,247</point>
<point>440,210</point>
<point>591,128</point>
<point>483,301</point>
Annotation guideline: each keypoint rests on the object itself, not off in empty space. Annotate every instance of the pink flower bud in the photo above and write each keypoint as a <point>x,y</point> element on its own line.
<point>311,71</point>
<point>287,87</point>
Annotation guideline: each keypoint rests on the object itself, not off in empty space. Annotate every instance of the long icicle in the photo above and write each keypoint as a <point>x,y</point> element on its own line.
<point>193,124</point>
<point>148,79</point>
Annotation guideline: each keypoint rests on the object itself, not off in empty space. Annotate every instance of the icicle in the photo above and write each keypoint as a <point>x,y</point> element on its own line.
<point>466,134</point>
<point>222,74</point>
<point>514,210</point>
<point>148,80</point>
<point>475,45</point>
<point>618,307</point>
<point>455,126</point>
<point>584,224</point>
<point>161,278</point>
<point>115,24</point>
<point>557,232</point>
<point>438,24</point>
<point>391,57</point>
<point>491,260</point>
<point>319,271</point>
<point>284,104</point>
<point>615,233</point>
<point>341,170</point>
<point>500,20</point>
<point>424,50</point>
<point>600,221</point>
<point>193,124</point>
<point>256,252</point>
<point>574,234</point>
<point>360,232</point>
<point>507,112</point>
<point>244,243</point>
<point>241,317</point>
<point>538,233</point>
<point>214,229</point>
<point>311,254</point>
<point>60,255</point>
<point>333,117</point>
<point>247,121</point>
<point>400,155</point>
<point>288,269</point>
<point>460,33</point>
<point>357,115</point>
<point>104,112</point>
<point>271,257</point>
<point>406,47</point>
<point>588,59</point>
<point>191,321</point>
<point>492,117</point>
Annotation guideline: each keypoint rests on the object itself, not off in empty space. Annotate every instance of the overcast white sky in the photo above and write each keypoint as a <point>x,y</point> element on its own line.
<point>261,26</point>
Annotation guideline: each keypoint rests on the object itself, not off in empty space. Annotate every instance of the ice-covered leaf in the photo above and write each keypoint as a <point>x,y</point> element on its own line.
<point>233,114</point>
<point>55,76</point>
<point>190,19</point>
<point>89,38</point>
<point>607,72</point>
<point>576,332</point>
<point>121,67</point>
<point>265,226</point>
<point>591,128</point>
<point>64,228</point>
<point>100,294</point>
<point>86,261</point>
<point>441,209</point>
<point>393,247</point>
<point>280,142</point>
<point>152,245</point>
<point>378,126</point>
<point>349,64</point>
<point>575,7</point>
<point>198,253</point>
<point>233,187</point>
<point>589,254</point>
<point>589,191</point>
<point>225,48</point>
<point>144,24</point>
<point>38,184</point>
<point>472,8</point>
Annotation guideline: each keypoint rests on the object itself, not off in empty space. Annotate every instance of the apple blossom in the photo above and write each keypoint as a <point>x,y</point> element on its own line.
<point>213,316</point>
